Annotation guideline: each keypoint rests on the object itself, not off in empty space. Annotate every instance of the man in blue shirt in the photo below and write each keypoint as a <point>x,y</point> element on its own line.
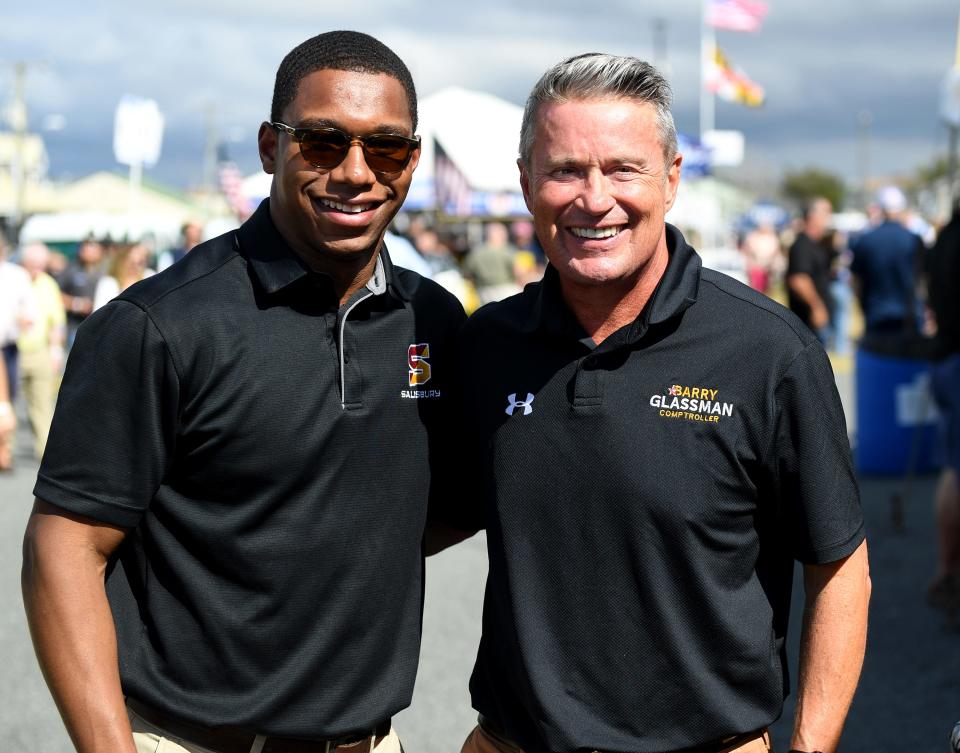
<point>883,266</point>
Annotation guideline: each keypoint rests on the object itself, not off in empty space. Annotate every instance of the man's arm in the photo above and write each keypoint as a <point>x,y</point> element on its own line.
<point>64,561</point>
<point>832,645</point>
<point>802,286</point>
<point>8,419</point>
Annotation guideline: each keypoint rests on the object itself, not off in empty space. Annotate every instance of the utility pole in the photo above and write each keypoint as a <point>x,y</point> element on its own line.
<point>18,121</point>
<point>660,60</point>
<point>864,125</point>
<point>210,143</point>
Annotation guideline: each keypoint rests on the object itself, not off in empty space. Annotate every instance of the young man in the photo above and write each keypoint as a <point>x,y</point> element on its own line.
<point>654,445</point>
<point>243,449</point>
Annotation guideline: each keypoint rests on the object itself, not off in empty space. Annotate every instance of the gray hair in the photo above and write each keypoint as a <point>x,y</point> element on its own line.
<point>599,76</point>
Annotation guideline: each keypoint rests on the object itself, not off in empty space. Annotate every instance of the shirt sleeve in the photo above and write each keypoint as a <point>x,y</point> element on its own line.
<point>800,261</point>
<point>115,422</point>
<point>817,488</point>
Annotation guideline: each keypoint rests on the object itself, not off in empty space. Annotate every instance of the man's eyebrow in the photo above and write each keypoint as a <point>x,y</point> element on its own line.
<point>391,128</point>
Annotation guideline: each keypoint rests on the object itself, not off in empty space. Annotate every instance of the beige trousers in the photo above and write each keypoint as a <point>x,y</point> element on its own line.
<point>151,739</point>
<point>38,383</point>
<point>481,741</point>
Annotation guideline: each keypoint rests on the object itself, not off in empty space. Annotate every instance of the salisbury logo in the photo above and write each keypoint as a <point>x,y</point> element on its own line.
<point>513,404</point>
<point>691,404</point>
<point>419,372</point>
<point>417,356</point>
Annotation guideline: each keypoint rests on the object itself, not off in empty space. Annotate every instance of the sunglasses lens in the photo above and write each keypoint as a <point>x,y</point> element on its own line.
<point>387,154</point>
<point>324,148</point>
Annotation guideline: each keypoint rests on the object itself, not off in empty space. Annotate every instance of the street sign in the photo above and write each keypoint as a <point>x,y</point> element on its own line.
<point>137,131</point>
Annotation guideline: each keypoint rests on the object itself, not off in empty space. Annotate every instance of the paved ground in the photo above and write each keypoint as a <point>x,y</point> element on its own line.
<point>908,700</point>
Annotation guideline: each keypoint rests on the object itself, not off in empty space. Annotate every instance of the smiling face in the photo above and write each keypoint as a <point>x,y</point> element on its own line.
<point>336,218</point>
<point>598,189</point>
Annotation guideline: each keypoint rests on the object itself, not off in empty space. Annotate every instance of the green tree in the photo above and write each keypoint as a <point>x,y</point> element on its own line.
<point>803,185</point>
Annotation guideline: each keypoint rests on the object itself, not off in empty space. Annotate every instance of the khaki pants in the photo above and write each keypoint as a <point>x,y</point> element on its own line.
<point>151,739</point>
<point>481,741</point>
<point>39,385</point>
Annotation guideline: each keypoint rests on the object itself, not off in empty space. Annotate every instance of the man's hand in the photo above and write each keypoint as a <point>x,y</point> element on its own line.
<point>819,315</point>
<point>801,284</point>
<point>64,561</point>
<point>832,645</point>
<point>8,420</point>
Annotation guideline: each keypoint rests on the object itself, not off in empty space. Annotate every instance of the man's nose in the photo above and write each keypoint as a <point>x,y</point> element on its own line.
<point>596,195</point>
<point>354,169</point>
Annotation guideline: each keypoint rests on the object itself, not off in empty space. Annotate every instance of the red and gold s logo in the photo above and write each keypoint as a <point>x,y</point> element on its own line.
<point>417,356</point>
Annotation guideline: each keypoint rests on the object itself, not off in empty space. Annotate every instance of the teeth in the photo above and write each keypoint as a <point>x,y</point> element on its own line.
<point>595,232</point>
<point>349,208</point>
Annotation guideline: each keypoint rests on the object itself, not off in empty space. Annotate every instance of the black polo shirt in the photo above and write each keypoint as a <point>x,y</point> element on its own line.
<point>271,452</point>
<point>644,501</point>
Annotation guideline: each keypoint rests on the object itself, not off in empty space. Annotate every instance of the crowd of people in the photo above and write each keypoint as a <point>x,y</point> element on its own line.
<point>254,450</point>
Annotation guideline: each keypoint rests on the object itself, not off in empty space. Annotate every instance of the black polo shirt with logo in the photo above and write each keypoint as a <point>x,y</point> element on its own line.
<point>271,452</point>
<point>644,502</point>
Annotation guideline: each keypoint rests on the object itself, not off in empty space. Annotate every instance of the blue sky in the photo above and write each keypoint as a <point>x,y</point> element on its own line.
<point>821,62</point>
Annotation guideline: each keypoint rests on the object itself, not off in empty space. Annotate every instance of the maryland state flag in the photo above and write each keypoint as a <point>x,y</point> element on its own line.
<point>729,82</point>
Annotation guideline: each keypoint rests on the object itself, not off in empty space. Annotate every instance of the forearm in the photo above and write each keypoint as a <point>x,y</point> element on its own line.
<point>75,640</point>
<point>831,649</point>
<point>803,287</point>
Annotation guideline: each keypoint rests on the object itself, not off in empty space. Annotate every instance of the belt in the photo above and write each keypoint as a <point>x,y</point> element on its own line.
<point>723,744</point>
<point>234,740</point>
<point>715,746</point>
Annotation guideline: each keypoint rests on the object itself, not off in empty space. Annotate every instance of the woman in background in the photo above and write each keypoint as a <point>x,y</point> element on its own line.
<point>129,266</point>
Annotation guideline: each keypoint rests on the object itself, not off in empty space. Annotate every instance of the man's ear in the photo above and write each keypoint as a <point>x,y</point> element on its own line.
<point>267,144</point>
<point>673,181</point>
<point>525,184</point>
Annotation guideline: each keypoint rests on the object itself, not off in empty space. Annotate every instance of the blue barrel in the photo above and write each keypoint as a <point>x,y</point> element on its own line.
<point>894,410</point>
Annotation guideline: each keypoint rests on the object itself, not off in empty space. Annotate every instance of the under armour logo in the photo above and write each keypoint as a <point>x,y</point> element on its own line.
<point>527,404</point>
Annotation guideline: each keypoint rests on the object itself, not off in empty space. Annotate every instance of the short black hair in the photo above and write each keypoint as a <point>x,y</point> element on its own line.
<point>338,51</point>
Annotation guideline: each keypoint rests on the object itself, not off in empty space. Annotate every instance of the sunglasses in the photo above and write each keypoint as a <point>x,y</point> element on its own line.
<point>325,148</point>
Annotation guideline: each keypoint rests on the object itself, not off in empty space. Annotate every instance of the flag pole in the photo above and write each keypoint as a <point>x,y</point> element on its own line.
<point>708,40</point>
<point>708,44</point>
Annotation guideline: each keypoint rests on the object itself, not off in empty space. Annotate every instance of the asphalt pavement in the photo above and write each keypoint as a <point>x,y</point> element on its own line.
<point>908,700</point>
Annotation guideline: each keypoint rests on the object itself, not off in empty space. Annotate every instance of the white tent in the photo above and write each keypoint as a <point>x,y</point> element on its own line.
<point>478,132</point>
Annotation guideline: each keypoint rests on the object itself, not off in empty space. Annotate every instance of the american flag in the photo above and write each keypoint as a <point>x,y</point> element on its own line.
<point>453,192</point>
<point>736,15</point>
<point>231,185</point>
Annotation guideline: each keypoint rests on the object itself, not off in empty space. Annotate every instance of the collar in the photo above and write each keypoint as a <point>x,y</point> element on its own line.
<point>277,266</point>
<point>674,294</point>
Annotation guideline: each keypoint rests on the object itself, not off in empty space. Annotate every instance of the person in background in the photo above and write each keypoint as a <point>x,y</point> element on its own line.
<point>491,265</point>
<point>943,285</point>
<point>8,420</point>
<point>190,235</point>
<point>808,270</point>
<point>884,267</point>
<point>840,291</point>
<point>764,256</point>
<point>78,284</point>
<point>129,266</point>
<point>42,346</point>
<point>18,314</point>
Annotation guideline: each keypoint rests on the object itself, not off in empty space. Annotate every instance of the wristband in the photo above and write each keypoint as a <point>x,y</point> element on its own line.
<point>6,409</point>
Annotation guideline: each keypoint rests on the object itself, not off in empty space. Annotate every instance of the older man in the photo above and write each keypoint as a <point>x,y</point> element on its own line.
<point>654,445</point>
<point>243,447</point>
<point>41,347</point>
